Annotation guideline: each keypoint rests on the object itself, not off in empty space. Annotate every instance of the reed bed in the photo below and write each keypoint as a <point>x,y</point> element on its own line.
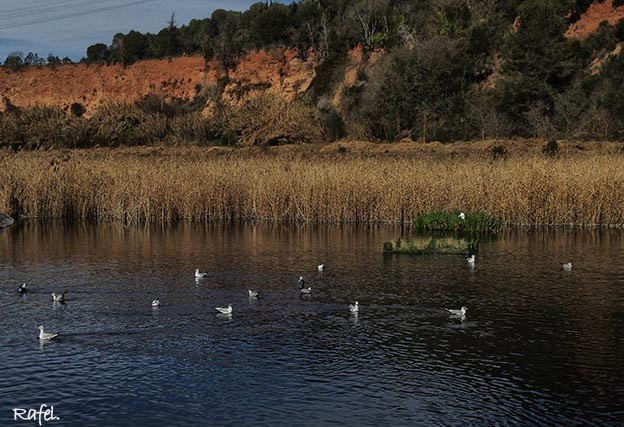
<point>190,186</point>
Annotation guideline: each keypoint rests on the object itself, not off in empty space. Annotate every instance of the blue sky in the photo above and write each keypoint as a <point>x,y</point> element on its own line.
<point>68,27</point>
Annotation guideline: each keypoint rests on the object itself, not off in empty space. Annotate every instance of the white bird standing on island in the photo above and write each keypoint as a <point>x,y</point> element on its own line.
<point>225,310</point>
<point>43,335</point>
<point>200,274</point>
<point>460,312</point>
<point>354,308</point>
<point>462,216</point>
<point>567,266</point>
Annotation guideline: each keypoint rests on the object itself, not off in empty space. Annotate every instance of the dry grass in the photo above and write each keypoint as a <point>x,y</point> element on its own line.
<point>152,184</point>
<point>270,119</point>
<point>261,120</point>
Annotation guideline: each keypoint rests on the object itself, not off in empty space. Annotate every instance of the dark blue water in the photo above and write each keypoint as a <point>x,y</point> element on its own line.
<point>539,346</point>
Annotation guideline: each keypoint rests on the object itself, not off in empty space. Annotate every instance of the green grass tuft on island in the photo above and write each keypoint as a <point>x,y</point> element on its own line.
<point>431,245</point>
<point>451,221</point>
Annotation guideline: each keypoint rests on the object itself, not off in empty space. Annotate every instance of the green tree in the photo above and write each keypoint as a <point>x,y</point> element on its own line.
<point>32,58</point>
<point>53,59</point>
<point>539,62</point>
<point>420,91</point>
<point>97,53</point>
<point>14,61</point>
<point>167,42</point>
<point>135,47</point>
<point>309,25</point>
<point>370,19</point>
<point>269,24</point>
<point>608,99</point>
<point>454,18</point>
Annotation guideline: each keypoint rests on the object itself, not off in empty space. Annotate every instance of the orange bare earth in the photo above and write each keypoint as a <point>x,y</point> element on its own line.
<point>595,14</point>
<point>277,71</point>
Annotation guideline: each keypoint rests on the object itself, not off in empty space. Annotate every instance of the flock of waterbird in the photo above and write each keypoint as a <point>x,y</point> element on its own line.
<point>353,308</point>
<point>303,289</point>
<point>60,298</point>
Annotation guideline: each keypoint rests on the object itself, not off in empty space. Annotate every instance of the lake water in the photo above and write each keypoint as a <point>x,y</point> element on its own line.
<point>539,346</point>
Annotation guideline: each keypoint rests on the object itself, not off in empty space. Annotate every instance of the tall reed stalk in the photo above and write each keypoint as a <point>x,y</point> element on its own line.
<point>194,185</point>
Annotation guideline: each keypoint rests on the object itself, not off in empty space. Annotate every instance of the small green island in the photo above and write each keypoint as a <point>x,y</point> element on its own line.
<point>456,224</point>
<point>423,245</point>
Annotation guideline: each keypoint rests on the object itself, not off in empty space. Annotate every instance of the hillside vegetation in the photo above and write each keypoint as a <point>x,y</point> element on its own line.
<point>442,70</point>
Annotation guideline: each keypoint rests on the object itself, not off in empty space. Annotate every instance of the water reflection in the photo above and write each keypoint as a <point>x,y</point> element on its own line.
<point>539,346</point>
<point>226,316</point>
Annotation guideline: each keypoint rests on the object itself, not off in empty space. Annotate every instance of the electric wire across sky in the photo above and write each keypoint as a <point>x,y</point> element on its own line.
<point>69,27</point>
<point>30,15</point>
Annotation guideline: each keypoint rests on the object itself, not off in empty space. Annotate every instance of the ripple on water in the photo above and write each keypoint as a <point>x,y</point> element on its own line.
<point>537,347</point>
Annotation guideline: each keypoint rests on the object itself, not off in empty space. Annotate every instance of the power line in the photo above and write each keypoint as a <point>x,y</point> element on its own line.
<point>36,7</point>
<point>50,7</point>
<point>71,15</point>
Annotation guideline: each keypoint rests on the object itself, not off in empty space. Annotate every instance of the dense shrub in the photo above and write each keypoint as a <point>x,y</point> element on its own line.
<point>551,149</point>
<point>271,120</point>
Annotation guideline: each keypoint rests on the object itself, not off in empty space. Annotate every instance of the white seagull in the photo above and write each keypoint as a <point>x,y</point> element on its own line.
<point>43,335</point>
<point>460,312</point>
<point>225,310</point>
<point>354,308</point>
<point>58,297</point>
<point>301,282</point>
<point>200,274</point>
<point>253,294</point>
<point>22,288</point>
<point>462,216</point>
<point>567,266</point>
<point>156,303</point>
<point>306,290</point>
<point>471,260</point>
<point>321,267</point>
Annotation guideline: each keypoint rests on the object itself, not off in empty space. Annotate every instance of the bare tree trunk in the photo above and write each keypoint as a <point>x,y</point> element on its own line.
<point>324,35</point>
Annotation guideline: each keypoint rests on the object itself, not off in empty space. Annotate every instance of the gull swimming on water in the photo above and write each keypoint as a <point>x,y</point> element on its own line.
<point>460,312</point>
<point>22,288</point>
<point>156,303</point>
<point>59,297</point>
<point>43,335</point>
<point>306,291</point>
<point>200,274</point>
<point>471,260</point>
<point>354,308</point>
<point>321,267</point>
<point>253,294</point>
<point>225,310</point>
<point>567,266</point>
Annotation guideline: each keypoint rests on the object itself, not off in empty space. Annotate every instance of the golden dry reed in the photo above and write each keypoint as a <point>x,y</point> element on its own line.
<point>190,185</point>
